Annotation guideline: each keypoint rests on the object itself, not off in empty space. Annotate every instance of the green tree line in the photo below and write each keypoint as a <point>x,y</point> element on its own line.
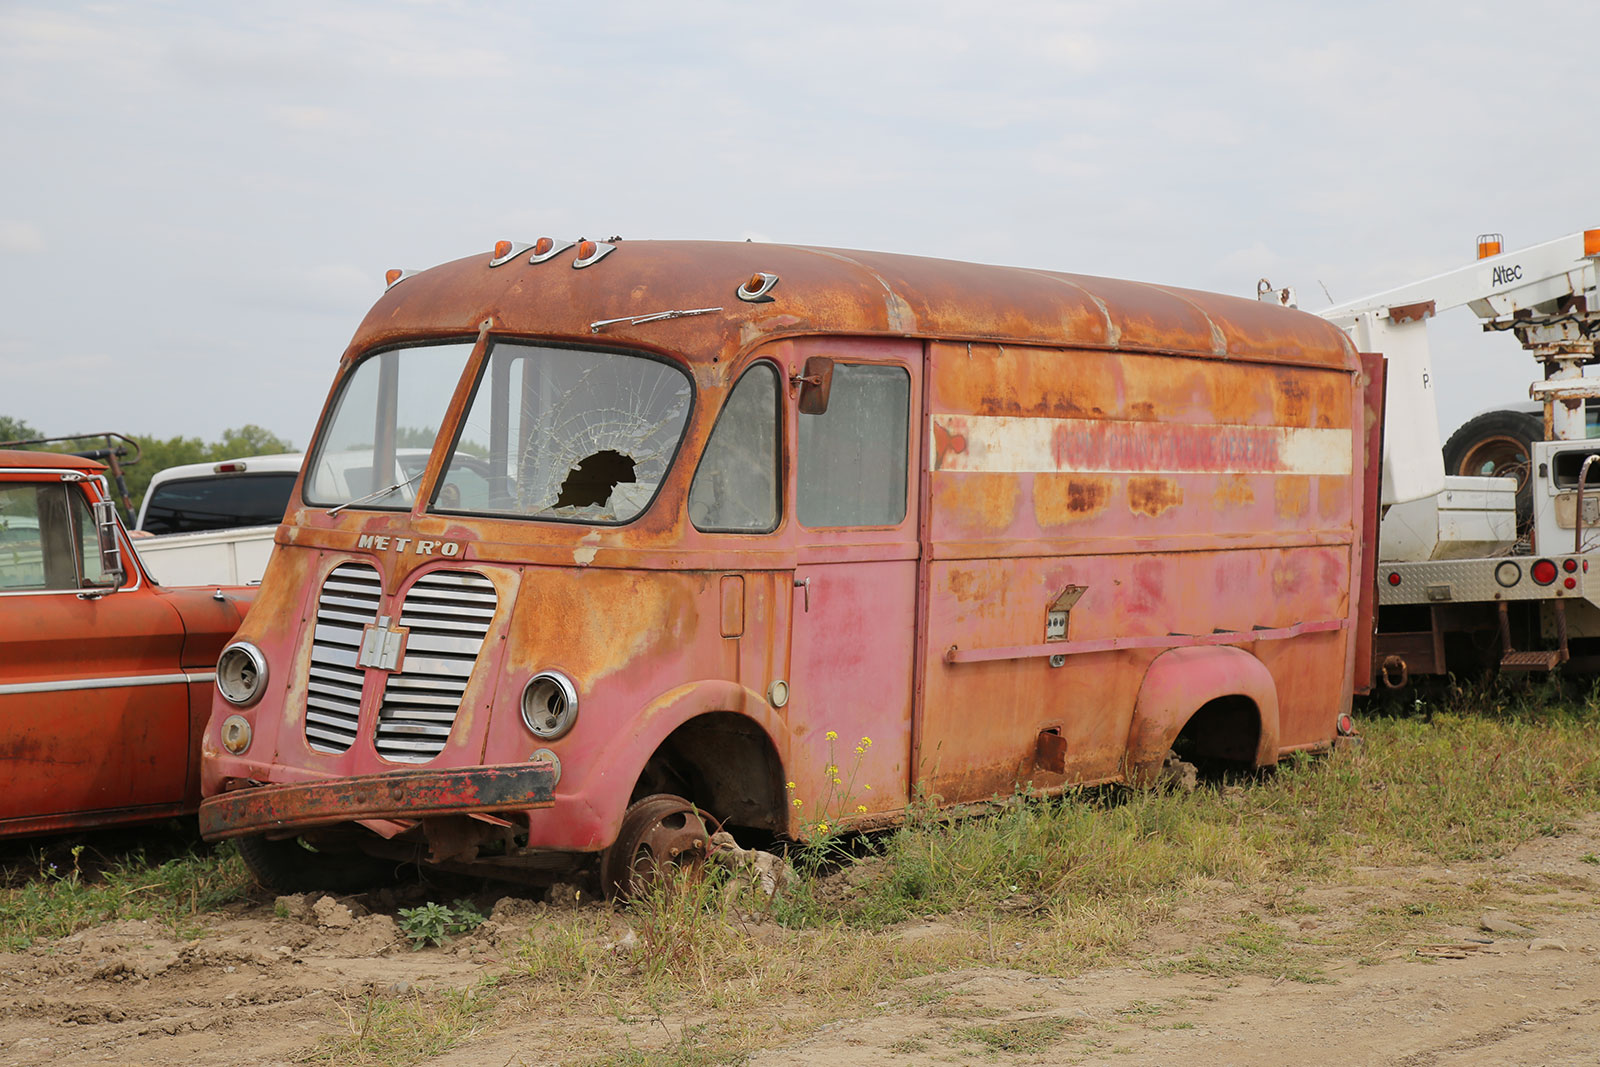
<point>157,455</point>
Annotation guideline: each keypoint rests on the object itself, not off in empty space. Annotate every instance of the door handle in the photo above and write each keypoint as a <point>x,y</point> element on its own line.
<point>805,584</point>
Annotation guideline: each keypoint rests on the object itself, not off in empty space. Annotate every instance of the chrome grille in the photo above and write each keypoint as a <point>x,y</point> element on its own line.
<point>348,604</point>
<point>448,615</point>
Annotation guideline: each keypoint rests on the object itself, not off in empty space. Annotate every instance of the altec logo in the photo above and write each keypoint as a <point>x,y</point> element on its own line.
<point>1506,275</point>
<point>383,542</point>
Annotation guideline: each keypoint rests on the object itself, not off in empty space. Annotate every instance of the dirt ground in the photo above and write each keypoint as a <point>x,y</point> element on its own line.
<point>258,988</point>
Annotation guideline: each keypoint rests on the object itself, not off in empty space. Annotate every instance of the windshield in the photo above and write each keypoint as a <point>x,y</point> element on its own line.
<point>384,426</point>
<point>567,434</point>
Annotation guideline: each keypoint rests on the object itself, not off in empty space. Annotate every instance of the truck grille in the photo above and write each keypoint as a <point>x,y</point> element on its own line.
<point>348,604</point>
<point>448,614</point>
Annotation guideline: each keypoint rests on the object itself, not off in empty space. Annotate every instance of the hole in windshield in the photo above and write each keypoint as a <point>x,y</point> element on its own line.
<point>590,483</point>
<point>568,434</point>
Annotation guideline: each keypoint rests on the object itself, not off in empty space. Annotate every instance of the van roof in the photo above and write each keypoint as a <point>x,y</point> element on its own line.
<point>834,291</point>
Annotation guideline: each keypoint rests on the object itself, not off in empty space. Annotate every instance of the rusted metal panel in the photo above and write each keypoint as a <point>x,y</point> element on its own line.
<point>1191,462</point>
<point>1364,668</point>
<point>397,794</point>
<point>99,720</point>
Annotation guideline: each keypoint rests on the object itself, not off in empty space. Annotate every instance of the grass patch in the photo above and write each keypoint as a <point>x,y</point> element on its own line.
<point>1023,1036</point>
<point>64,886</point>
<point>400,1031</point>
<point>1046,885</point>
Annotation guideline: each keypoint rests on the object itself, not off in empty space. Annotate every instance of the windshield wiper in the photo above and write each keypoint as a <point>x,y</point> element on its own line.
<point>385,491</point>
<point>658,316</point>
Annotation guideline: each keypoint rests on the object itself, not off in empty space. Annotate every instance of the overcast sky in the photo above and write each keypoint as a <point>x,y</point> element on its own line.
<point>199,200</point>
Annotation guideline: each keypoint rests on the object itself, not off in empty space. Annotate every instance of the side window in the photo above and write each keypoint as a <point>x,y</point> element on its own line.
<point>853,457</point>
<point>37,537</point>
<point>736,487</point>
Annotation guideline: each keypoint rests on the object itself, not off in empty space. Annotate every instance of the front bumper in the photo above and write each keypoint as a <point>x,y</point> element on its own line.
<point>399,794</point>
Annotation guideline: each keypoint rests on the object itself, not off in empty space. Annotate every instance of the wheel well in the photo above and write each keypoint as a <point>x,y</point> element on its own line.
<point>724,763</point>
<point>1227,728</point>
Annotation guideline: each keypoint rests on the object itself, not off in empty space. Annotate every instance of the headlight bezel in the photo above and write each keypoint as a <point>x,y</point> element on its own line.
<point>242,667</point>
<point>544,721</point>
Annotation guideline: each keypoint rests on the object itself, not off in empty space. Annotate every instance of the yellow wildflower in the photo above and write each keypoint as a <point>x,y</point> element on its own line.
<point>862,808</point>
<point>831,735</point>
<point>788,785</point>
<point>822,827</point>
<point>838,781</point>
<point>866,787</point>
<point>797,802</point>
<point>832,769</point>
<point>866,742</point>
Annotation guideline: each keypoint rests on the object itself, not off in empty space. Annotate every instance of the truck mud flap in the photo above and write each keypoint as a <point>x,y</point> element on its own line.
<point>391,795</point>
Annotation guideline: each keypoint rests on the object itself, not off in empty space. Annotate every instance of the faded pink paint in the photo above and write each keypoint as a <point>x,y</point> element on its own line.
<point>1211,563</point>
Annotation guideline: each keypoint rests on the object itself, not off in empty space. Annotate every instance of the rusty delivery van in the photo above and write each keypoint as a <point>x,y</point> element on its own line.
<point>760,536</point>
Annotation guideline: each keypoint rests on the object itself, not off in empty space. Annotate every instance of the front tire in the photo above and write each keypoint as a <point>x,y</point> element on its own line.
<point>660,834</point>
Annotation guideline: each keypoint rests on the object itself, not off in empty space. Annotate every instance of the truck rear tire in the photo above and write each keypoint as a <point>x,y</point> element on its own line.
<point>293,866</point>
<point>1498,444</point>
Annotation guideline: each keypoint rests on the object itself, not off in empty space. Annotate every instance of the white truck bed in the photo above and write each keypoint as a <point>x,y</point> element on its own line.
<point>214,557</point>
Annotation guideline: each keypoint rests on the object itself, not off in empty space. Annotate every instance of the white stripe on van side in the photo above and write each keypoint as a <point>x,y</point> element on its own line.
<point>1005,444</point>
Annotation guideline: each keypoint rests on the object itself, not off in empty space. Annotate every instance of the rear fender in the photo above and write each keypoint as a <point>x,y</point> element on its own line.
<point>1182,680</point>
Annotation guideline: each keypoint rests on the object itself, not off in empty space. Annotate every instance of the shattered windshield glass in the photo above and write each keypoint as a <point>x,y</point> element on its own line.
<point>565,433</point>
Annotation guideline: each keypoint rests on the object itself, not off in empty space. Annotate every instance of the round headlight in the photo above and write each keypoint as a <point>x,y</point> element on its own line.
<point>549,704</point>
<point>236,734</point>
<point>241,673</point>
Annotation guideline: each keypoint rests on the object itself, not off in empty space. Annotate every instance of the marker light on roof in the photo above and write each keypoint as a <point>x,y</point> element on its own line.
<point>235,467</point>
<point>756,289</point>
<point>506,251</point>
<point>592,252</point>
<point>548,248</point>
<point>395,274</point>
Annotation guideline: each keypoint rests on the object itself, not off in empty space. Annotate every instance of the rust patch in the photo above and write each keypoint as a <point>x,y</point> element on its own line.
<point>1153,496</point>
<point>990,380</point>
<point>1293,493</point>
<point>967,585</point>
<point>978,502</point>
<point>1142,410</point>
<point>1059,499</point>
<point>1333,499</point>
<point>1292,406</point>
<point>1233,491</point>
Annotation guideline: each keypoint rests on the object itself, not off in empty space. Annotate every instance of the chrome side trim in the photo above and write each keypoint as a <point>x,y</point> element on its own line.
<point>72,684</point>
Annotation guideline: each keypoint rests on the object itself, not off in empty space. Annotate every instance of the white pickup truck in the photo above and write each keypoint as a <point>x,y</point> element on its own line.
<point>212,523</point>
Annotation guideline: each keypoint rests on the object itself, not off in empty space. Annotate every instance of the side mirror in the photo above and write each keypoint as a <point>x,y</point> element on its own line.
<point>815,382</point>
<point>105,521</point>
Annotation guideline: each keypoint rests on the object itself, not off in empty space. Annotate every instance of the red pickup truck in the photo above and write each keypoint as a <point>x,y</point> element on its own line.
<point>105,677</point>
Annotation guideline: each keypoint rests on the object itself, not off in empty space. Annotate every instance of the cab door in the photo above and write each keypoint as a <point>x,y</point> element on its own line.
<point>853,615</point>
<point>94,715</point>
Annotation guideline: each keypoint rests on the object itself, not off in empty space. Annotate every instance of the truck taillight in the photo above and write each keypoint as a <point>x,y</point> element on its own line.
<point>1394,578</point>
<point>1543,571</point>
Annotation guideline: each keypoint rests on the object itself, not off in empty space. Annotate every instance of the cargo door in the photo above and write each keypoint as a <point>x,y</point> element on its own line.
<point>94,713</point>
<point>853,617</point>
